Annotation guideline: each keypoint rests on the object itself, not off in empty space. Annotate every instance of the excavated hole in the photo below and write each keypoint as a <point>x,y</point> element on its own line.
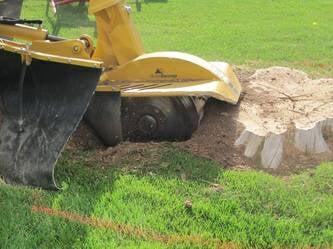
<point>283,122</point>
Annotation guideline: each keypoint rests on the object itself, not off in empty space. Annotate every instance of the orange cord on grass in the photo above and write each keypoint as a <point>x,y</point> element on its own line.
<point>130,230</point>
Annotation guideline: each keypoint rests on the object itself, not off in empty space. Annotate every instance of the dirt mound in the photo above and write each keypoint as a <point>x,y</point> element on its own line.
<point>284,121</point>
<point>85,139</point>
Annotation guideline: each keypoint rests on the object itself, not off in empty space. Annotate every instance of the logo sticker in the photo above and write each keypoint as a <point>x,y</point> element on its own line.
<point>159,73</point>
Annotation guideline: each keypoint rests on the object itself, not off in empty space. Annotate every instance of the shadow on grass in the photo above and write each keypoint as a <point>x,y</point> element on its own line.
<point>79,171</point>
<point>82,190</point>
<point>176,163</point>
<point>149,193</point>
<point>88,187</point>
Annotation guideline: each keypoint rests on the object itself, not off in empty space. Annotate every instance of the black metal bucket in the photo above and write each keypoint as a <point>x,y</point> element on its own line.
<point>40,107</point>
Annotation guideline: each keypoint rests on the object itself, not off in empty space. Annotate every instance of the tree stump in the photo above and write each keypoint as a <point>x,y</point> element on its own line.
<point>284,121</point>
<point>285,115</point>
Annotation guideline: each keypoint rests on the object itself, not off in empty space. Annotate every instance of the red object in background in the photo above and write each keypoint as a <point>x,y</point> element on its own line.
<point>55,3</point>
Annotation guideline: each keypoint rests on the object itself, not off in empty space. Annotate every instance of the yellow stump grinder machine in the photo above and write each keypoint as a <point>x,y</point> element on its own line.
<point>48,82</point>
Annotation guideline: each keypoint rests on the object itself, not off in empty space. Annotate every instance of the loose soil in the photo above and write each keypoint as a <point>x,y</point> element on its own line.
<point>274,101</point>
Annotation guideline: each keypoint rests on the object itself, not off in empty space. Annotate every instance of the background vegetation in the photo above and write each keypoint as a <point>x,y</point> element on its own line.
<point>255,33</point>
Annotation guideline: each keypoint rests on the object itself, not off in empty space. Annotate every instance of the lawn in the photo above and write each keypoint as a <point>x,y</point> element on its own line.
<point>143,206</point>
<point>171,198</point>
<point>253,33</point>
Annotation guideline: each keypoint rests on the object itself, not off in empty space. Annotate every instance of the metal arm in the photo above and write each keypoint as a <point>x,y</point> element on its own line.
<point>118,41</point>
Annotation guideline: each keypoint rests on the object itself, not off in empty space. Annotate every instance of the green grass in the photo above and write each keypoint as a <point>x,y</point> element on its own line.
<point>255,33</point>
<point>248,208</point>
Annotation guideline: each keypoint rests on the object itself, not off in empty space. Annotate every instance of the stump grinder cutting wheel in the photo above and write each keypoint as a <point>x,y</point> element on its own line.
<point>47,82</point>
<point>156,96</point>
